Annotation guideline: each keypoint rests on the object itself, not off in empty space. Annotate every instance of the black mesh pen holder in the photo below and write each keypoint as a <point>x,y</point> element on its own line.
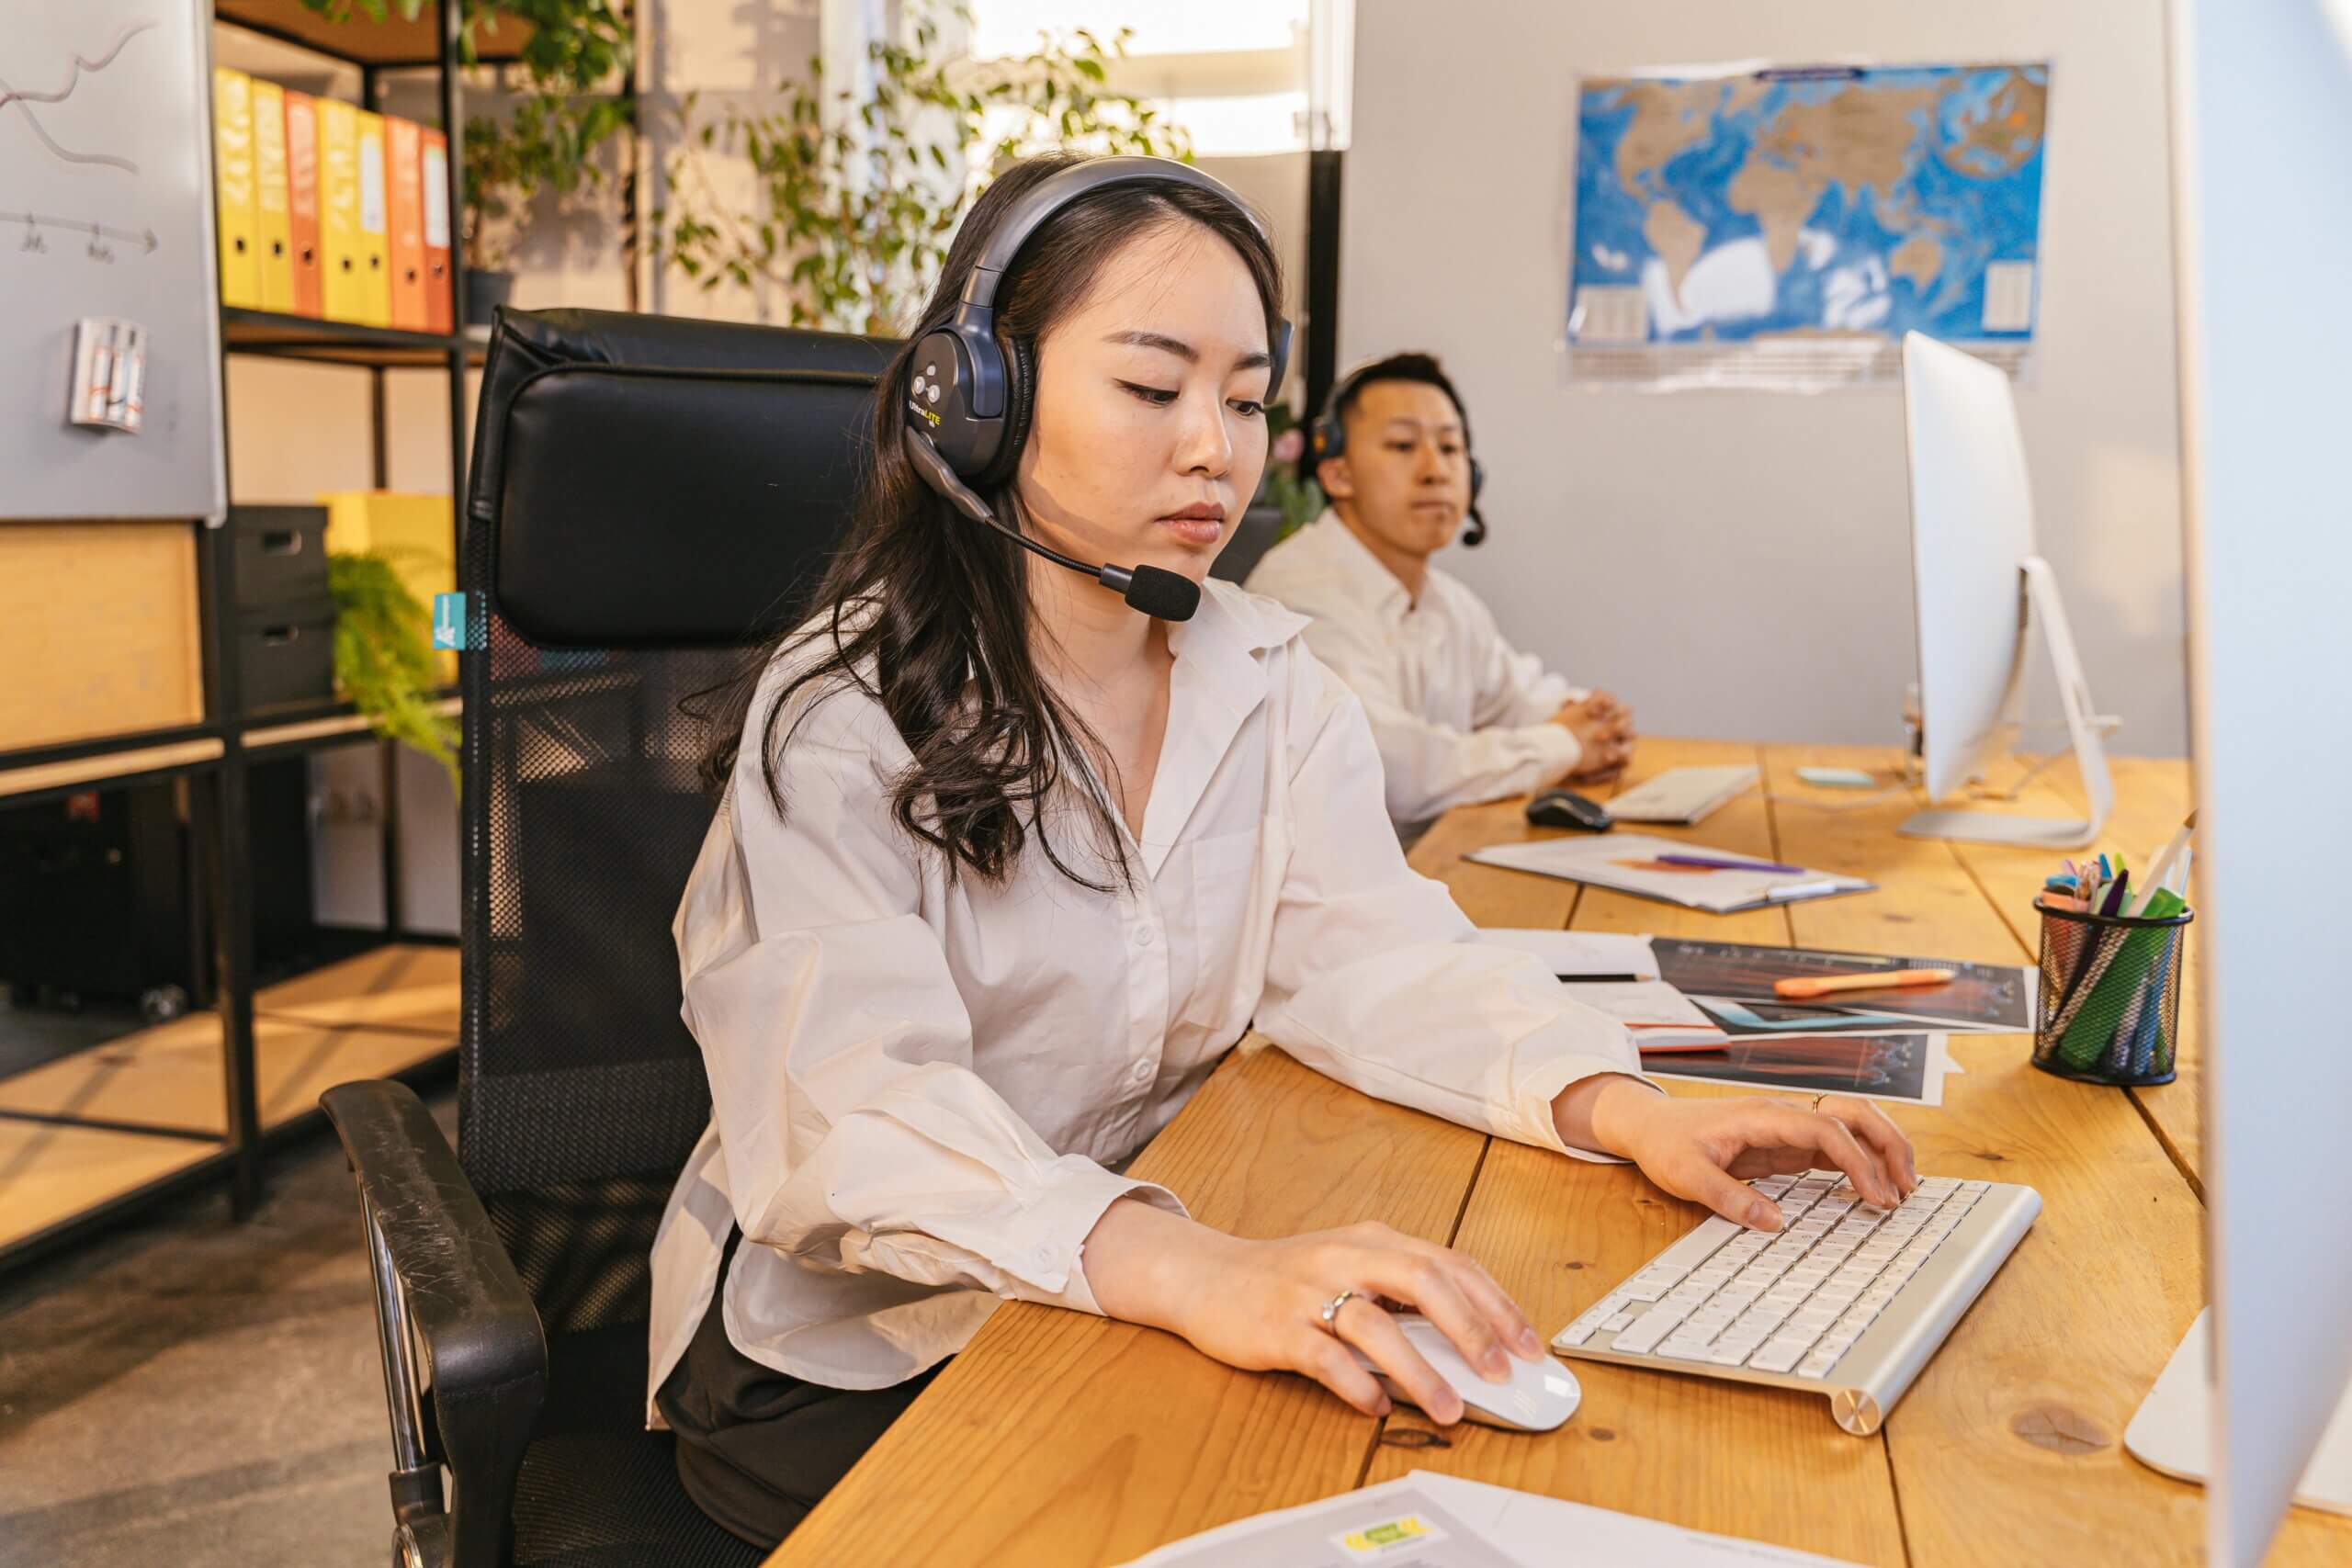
<point>2110,996</point>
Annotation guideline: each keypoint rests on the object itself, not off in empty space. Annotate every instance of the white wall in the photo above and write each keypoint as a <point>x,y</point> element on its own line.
<point>1738,563</point>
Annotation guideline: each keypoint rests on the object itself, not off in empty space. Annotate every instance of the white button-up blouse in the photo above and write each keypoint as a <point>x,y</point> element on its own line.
<point>921,1091</point>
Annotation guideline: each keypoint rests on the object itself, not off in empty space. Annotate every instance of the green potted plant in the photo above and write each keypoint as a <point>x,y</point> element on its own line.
<point>851,225</point>
<point>1288,486</point>
<point>384,662</point>
<point>570,55</point>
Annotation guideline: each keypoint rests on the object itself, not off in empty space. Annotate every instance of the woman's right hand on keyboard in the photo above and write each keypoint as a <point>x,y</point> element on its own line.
<point>1708,1150</point>
<point>1258,1305</point>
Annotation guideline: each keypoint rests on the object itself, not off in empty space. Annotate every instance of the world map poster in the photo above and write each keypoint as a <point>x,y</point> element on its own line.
<point>1786,225</point>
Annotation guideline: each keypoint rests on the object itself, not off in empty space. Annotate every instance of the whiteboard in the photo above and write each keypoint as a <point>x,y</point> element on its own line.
<point>106,210</point>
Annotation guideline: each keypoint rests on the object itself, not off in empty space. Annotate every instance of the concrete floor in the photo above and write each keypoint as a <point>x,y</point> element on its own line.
<point>190,1390</point>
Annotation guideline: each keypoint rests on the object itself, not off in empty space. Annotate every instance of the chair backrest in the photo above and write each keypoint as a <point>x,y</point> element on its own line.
<point>651,498</point>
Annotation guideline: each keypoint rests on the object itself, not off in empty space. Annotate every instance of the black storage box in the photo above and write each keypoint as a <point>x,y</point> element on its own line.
<point>99,896</point>
<point>96,897</point>
<point>281,555</point>
<point>286,654</point>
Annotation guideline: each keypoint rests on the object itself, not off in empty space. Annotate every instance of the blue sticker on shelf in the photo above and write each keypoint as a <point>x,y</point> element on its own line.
<point>450,620</point>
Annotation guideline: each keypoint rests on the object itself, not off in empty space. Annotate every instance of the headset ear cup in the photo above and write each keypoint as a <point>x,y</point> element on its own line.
<point>1020,402</point>
<point>1475,533</point>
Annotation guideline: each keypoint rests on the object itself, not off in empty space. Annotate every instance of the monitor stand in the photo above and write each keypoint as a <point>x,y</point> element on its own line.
<point>2170,1432</point>
<point>2045,610</point>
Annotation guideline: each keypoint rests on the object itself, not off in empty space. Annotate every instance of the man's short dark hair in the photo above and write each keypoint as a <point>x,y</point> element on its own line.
<point>1413,366</point>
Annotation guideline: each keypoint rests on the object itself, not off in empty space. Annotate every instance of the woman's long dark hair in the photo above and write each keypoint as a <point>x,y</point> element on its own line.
<point>928,613</point>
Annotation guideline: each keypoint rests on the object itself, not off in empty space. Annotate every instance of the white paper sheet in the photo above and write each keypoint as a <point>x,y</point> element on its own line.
<point>1572,953</point>
<point>1463,1523</point>
<point>1621,861</point>
<point>1660,1017</point>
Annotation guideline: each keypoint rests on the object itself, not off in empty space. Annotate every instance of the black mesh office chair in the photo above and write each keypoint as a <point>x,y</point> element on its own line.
<point>650,497</point>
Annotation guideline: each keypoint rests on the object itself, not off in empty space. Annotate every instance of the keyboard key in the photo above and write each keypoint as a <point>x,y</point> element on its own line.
<point>1683,1350</point>
<point>1773,1186</point>
<point>1643,1335</point>
<point>1800,1333</point>
<point>1816,1365</point>
<point>1777,1356</point>
<point>1695,1248</point>
<point>1975,1186</point>
<point>1730,1355</point>
<point>1617,1323</point>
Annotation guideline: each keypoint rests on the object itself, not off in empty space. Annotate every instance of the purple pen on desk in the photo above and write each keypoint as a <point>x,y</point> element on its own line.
<point>2112,904</point>
<point>1715,862</point>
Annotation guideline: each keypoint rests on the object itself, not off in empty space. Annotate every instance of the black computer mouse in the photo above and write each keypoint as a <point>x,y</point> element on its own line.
<point>1566,808</point>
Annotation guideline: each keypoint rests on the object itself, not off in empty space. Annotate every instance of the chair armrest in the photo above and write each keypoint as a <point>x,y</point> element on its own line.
<point>446,1286</point>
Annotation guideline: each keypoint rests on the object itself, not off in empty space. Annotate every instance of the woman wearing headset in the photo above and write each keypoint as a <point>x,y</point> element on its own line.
<point>1004,866</point>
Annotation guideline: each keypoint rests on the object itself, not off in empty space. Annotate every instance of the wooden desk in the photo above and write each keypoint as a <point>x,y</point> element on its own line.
<point>1059,1438</point>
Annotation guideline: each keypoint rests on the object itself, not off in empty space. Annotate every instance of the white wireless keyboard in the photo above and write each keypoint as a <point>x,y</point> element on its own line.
<point>1682,796</point>
<point>1847,1299</point>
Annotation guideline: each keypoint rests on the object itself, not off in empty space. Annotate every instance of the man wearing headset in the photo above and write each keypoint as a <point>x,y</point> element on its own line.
<point>1458,714</point>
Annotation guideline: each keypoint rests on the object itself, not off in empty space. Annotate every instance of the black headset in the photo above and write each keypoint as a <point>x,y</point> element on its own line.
<point>1328,436</point>
<point>970,393</point>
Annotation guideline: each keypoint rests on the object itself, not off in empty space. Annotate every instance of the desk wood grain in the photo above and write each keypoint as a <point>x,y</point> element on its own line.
<point>1059,1438</point>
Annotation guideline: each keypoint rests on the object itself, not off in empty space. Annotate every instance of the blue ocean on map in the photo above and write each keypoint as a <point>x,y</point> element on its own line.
<point>1841,201</point>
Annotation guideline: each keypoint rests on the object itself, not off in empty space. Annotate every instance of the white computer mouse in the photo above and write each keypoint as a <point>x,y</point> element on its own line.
<point>1540,1393</point>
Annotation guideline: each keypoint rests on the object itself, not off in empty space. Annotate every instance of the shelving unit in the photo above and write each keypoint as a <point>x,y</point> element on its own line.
<point>86,1139</point>
<point>342,343</point>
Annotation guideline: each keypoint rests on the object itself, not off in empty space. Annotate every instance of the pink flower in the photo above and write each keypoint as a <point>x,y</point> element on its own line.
<point>1290,446</point>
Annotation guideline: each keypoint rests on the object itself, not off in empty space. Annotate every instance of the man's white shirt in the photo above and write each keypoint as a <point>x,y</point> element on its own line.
<point>1458,714</point>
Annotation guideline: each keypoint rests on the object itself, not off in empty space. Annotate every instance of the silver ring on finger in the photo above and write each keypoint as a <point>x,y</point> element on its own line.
<point>1817,1099</point>
<point>1331,1311</point>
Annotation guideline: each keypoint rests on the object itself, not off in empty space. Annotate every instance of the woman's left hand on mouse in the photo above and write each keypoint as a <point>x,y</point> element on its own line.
<point>1259,1304</point>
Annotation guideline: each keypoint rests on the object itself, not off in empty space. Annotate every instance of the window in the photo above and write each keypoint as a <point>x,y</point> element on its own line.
<point>1244,77</point>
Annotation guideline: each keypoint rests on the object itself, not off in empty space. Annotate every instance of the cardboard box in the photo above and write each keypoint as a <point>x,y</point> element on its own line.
<point>100,630</point>
<point>417,532</point>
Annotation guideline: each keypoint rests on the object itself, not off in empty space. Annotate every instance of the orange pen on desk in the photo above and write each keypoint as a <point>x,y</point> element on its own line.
<point>1871,980</point>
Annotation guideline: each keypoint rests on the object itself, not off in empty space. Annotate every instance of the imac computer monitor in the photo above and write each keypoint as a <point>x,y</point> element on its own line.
<point>1982,592</point>
<point>2255,1403</point>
